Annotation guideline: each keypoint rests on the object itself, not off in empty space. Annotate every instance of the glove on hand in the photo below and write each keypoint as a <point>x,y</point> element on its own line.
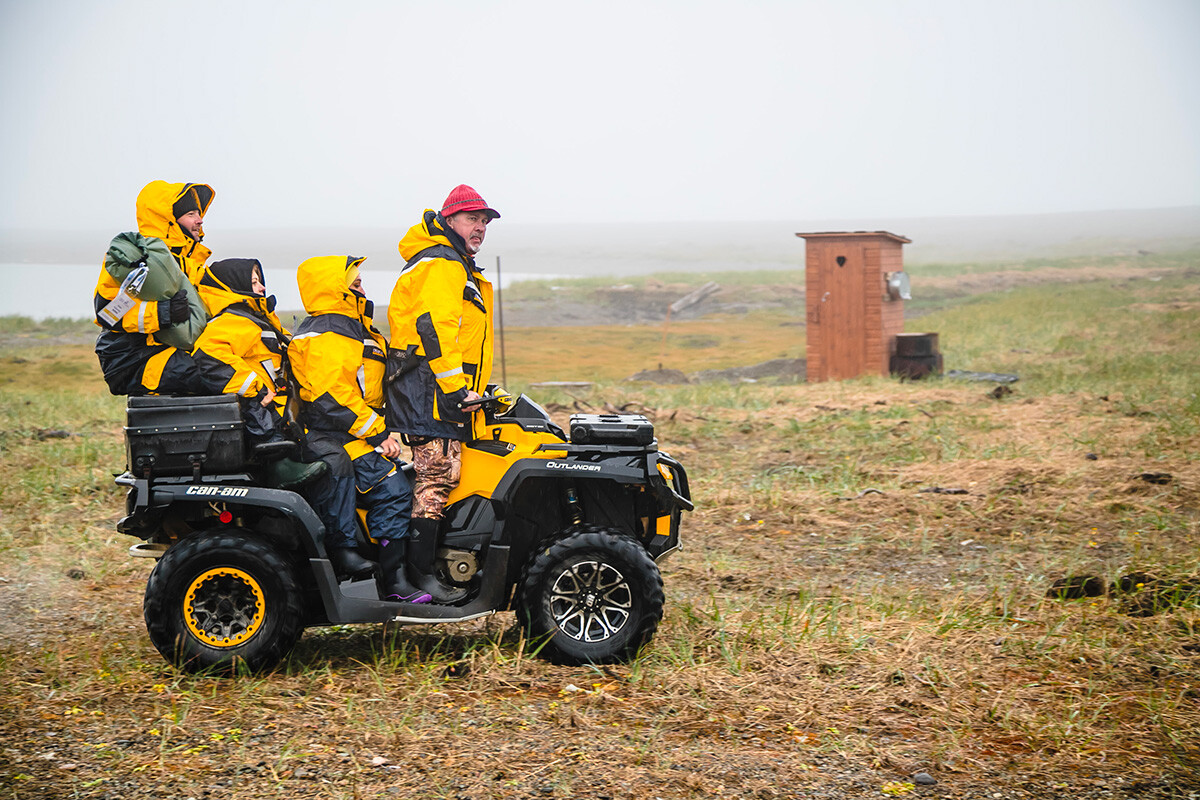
<point>179,307</point>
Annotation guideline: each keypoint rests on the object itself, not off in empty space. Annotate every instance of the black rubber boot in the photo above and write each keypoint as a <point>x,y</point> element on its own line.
<point>423,538</point>
<point>347,563</point>
<point>393,582</point>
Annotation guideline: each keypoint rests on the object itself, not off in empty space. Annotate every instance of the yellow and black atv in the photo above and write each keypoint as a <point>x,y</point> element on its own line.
<point>564,530</point>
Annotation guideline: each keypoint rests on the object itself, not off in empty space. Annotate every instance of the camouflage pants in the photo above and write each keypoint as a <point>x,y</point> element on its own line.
<point>437,465</point>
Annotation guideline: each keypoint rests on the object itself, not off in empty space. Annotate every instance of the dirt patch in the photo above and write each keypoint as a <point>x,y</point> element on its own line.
<point>779,370</point>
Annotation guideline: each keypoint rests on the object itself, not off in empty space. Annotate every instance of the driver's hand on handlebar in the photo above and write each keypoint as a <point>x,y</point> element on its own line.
<point>268,397</point>
<point>390,447</point>
<point>471,401</point>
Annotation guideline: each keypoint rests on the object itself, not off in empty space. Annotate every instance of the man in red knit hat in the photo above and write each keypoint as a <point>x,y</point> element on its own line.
<point>439,362</point>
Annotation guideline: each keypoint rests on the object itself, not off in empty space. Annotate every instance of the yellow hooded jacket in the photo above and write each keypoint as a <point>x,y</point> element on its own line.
<point>241,348</point>
<point>440,316</point>
<point>156,217</point>
<point>338,357</point>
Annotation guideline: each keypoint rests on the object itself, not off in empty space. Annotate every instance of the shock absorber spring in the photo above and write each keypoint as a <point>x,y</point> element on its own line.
<point>574,508</point>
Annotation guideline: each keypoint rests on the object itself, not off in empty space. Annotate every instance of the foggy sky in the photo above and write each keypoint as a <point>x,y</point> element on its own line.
<point>363,113</point>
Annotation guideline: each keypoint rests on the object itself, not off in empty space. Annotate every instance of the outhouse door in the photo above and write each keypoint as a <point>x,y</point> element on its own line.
<point>841,312</point>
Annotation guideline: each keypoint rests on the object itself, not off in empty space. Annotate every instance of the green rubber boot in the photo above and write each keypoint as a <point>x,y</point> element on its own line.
<point>288,474</point>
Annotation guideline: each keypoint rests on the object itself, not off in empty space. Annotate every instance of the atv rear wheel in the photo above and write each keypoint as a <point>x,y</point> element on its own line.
<point>594,595</point>
<point>220,602</point>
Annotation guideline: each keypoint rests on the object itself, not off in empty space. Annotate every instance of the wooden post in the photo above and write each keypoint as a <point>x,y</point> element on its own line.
<point>500,324</point>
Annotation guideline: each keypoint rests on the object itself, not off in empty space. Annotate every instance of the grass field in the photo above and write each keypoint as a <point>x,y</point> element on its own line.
<point>879,580</point>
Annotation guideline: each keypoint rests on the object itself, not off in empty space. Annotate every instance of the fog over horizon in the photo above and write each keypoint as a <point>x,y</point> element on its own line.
<point>529,249</point>
<point>361,114</point>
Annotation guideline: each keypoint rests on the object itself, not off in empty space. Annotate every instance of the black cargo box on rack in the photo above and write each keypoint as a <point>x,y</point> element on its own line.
<point>184,435</point>
<point>611,429</point>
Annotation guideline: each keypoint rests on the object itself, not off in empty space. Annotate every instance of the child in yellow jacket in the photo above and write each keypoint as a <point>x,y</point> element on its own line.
<point>338,359</point>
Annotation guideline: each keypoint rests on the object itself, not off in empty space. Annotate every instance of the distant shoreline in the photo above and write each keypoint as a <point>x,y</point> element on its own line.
<point>75,283</point>
<point>613,249</point>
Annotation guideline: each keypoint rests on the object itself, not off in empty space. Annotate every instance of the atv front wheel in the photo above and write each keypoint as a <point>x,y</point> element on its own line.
<point>217,602</point>
<point>593,594</point>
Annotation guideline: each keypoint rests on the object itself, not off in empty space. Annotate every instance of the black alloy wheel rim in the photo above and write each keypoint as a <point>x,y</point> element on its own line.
<point>591,601</point>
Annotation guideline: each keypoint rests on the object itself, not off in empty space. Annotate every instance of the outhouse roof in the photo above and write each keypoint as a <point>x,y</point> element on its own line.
<point>852,234</point>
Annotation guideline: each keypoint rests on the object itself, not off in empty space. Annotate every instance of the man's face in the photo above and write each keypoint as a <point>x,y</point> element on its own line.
<point>356,285</point>
<point>192,222</point>
<point>471,226</point>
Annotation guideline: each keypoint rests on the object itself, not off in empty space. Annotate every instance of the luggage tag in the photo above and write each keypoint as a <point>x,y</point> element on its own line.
<point>126,297</point>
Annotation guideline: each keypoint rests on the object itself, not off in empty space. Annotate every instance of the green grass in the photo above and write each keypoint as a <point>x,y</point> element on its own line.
<point>39,329</point>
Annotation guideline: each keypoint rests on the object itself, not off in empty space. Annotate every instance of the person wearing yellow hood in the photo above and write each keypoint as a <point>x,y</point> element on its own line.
<point>338,358</point>
<point>241,352</point>
<point>134,362</point>
<point>241,349</point>
<point>440,359</point>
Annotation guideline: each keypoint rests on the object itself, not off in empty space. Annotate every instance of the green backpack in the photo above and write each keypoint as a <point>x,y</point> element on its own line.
<point>164,279</point>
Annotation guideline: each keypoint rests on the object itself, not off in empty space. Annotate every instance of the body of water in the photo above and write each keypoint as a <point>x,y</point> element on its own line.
<point>43,291</point>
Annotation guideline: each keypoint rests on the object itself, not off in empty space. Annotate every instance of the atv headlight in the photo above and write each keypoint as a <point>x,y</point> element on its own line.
<point>666,472</point>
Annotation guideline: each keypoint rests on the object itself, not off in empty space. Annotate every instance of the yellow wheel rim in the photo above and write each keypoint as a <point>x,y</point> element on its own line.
<point>224,607</point>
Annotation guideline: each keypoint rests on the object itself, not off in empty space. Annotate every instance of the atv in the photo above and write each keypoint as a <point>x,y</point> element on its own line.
<point>565,530</point>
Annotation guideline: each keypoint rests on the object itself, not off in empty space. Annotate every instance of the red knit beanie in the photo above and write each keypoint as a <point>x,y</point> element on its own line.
<point>464,198</point>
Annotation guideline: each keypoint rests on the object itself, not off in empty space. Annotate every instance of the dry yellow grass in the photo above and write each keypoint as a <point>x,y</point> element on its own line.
<point>613,353</point>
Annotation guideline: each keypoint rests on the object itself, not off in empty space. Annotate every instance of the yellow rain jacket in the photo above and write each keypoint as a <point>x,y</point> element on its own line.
<point>156,217</point>
<point>338,357</point>
<point>133,360</point>
<point>441,334</point>
<point>241,348</point>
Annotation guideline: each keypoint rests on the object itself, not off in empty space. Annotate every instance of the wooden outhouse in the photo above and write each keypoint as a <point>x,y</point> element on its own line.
<point>855,286</point>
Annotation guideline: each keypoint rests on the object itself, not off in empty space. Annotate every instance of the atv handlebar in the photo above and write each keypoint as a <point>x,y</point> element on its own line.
<point>482,400</point>
<point>487,401</point>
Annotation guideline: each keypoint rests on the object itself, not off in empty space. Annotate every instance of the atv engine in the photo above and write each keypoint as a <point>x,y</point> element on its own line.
<point>461,565</point>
